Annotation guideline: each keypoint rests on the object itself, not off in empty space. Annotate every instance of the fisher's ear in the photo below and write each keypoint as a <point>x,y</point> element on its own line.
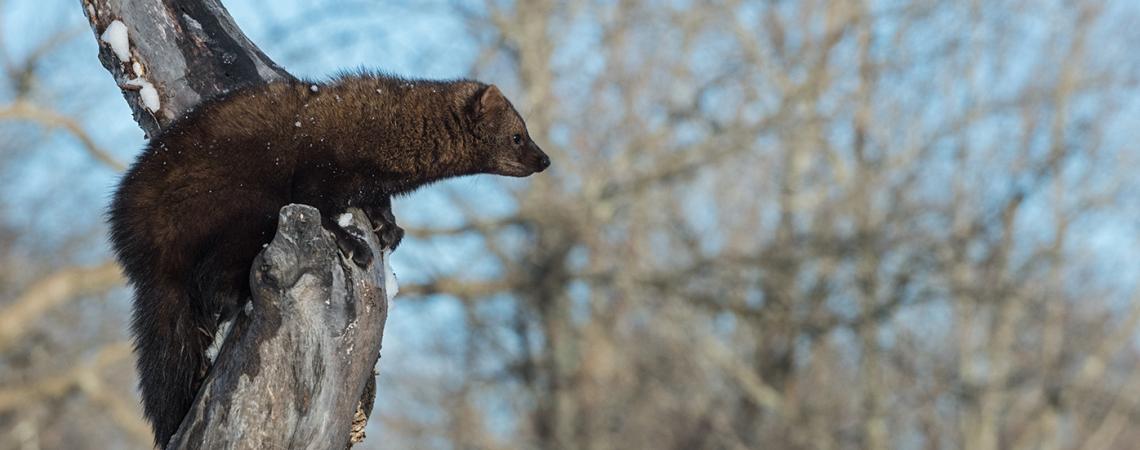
<point>489,100</point>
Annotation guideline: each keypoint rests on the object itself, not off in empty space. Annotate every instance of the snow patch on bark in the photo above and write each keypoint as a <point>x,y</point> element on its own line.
<point>344,220</point>
<point>391,287</point>
<point>147,92</point>
<point>116,36</point>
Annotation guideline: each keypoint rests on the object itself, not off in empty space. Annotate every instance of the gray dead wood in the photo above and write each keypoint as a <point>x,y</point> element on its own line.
<point>293,373</point>
<point>189,50</point>
<point>294,369</point>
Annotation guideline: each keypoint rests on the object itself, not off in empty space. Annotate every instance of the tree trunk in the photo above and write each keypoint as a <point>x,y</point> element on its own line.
<point>295,365</point>
<point>295,371</point>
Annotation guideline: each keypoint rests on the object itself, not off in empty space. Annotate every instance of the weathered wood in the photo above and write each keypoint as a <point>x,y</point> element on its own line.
<point>188,49</point>
<point>292,372</point>
<point>297,362</point>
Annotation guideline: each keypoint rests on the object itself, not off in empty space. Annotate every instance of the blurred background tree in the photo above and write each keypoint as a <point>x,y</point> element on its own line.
<point>769,224</point>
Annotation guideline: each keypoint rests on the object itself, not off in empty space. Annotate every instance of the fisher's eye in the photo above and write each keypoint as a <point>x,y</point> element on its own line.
<point>517,139</point>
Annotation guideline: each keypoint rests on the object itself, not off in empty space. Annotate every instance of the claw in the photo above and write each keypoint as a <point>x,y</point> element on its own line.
<point>384,224</point>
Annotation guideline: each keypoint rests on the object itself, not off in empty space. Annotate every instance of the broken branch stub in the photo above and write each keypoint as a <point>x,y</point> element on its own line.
<point>297,362</point>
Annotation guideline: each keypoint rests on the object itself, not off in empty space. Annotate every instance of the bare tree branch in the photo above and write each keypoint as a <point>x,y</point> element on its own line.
<point>188,50</point>
<point>28,111</point>
<point>56,385</point>
<point>23,313</point>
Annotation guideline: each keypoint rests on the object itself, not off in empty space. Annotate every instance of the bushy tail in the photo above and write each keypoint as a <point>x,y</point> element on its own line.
<point>170,341</point>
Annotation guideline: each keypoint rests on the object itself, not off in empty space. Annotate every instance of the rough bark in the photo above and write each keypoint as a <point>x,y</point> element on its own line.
<point>188,49</point>
<point>293,371</point>
<point>294,368</point>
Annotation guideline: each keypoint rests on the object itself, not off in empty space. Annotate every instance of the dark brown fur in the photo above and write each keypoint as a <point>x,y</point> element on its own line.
<point>194,210</point>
